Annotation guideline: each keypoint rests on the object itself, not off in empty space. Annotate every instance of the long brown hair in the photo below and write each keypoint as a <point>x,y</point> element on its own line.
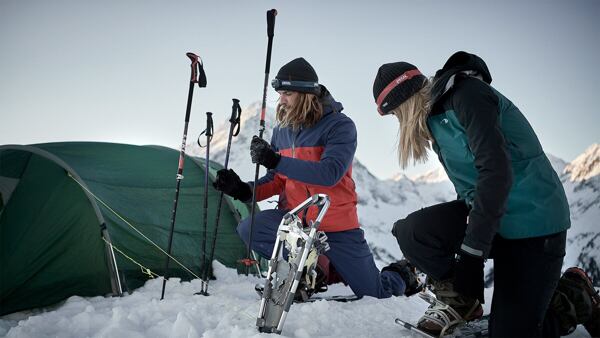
<point>307,111</point>
<point>413,133</point>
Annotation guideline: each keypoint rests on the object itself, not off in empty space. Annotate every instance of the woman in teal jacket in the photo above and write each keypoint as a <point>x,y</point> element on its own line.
<point>511,204</point>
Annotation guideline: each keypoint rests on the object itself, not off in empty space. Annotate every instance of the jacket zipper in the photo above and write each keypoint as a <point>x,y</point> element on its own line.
<point>294,143</point>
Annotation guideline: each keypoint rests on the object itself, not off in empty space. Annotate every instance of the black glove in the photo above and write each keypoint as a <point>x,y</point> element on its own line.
<point>408,273</point>
<point>261,152</point>
<point>468,276</point>
<point>229,182</point>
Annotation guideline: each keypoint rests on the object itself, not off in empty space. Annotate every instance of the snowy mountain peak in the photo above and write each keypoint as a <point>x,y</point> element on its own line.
<point>433,176</point>
<point>250,118</point>
<point>586,165</point>
<point>399,176</point>
<point>252,110</point>
<point>249,126</point>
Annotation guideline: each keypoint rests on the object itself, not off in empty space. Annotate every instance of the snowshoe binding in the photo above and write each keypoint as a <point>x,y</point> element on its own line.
<point>441,318</point>
<point>459,317</point>
<point>448,309</point>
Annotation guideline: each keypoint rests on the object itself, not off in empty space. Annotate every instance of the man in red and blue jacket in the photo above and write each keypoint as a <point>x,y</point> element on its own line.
<point>311,152</point>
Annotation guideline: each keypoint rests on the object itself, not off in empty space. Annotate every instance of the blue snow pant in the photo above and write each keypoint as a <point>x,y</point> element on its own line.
<point>526,271</point>
<point>349,254</point>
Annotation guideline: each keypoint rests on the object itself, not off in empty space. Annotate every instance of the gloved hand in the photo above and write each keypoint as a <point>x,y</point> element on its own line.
<point>229,182</point>
<point>261,152</point>
<point>408,273</point>
<point>468,276</point>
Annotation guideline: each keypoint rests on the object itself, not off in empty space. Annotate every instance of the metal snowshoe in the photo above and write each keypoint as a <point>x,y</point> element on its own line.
<point>297,272</point>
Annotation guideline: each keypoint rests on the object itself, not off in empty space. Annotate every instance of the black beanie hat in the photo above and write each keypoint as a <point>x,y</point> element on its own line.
<point>394,84</point>
<point>466,61</point>
<point>298,76</point>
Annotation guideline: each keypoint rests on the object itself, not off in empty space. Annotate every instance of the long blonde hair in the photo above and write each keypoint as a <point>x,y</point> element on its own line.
<point>413,133</point>
<point>307,111</point>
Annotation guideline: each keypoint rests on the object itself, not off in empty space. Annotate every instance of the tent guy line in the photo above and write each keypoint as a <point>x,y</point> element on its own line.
<point>144,269</point>
<point>134,228</point>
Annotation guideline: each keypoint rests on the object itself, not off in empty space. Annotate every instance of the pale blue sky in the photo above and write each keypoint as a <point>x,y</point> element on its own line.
<point>116,71</point>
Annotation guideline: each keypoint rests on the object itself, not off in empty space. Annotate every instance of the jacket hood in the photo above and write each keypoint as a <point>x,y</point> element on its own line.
<point>330,105</point>
<point>459,62</point>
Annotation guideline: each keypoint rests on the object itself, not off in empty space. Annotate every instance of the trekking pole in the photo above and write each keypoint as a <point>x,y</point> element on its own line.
<point>198,76</point>
<point>270,29</point>
<point>209,133</point>
<point>234,130</point>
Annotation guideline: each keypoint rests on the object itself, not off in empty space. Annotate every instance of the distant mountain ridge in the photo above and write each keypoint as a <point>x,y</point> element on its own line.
<point>586,165</point>
<point>382,202</point>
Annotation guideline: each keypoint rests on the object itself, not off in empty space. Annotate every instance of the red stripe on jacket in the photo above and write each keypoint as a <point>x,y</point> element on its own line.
<point>342,213</point>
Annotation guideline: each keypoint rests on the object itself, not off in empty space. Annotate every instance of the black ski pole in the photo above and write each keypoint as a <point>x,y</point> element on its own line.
<point>270,30</point>
<point>209,133</point>
<point>234,130</point>
<point>198,76</point>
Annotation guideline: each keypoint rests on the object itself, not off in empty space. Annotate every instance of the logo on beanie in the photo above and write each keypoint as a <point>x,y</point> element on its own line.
<point>401,79</point>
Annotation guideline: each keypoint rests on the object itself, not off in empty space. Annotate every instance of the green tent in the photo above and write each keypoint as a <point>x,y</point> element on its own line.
<point>80,218</point>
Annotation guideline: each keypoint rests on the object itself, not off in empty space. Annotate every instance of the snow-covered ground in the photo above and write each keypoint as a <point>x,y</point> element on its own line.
<point>230,311</point>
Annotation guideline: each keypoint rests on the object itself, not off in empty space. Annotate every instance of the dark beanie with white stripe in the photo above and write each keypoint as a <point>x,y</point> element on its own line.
<point>394,84</point>
<point>298,76</point>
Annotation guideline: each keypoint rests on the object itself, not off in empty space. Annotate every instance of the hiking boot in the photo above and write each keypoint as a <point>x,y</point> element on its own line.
<point>305,288</point>
<point>448,309</point>
<point>321,281</point>
<point>578,287</point>
<point>408,273</point>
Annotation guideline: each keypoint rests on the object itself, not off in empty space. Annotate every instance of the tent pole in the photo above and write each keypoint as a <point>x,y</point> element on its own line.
<point>115,281</point>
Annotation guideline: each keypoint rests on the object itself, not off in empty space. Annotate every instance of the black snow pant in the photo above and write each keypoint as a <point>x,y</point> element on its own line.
<point>526,271</point>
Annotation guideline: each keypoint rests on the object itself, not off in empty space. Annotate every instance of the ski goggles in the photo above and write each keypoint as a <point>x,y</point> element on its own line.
<point>296,86</point>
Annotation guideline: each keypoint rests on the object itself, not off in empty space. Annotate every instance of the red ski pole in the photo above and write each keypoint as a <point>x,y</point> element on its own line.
<point>197,76</point>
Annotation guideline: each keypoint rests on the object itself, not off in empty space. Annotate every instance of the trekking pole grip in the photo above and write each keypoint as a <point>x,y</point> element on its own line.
<point>235,108</point>
<point>209,125</point>
<point>194,58</point>
<point>236,113</point>
<point>198,75</point>
<point>271,22</point>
